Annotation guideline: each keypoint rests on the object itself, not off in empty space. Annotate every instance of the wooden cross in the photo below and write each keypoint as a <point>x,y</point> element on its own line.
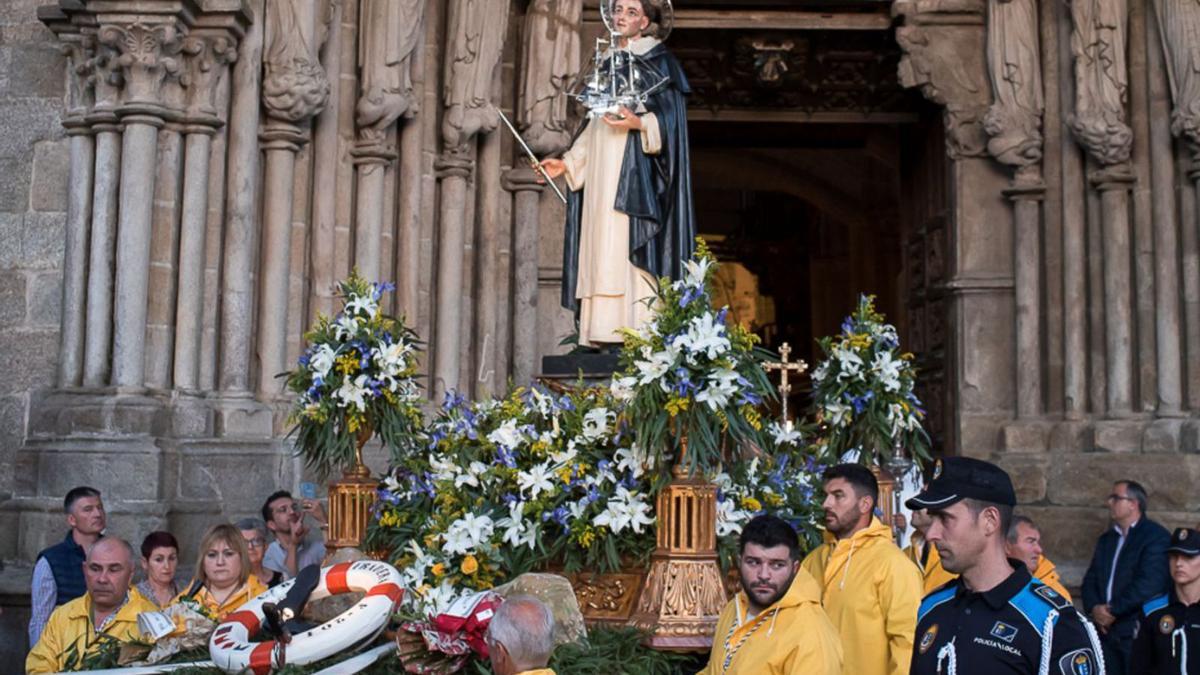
<point>785,368</point>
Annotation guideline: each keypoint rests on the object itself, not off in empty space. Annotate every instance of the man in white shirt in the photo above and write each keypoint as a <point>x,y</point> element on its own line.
<point>58,574</point>
<point>292,550</point>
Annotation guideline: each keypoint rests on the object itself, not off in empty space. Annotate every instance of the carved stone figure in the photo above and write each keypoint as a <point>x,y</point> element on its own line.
<point>1014,121</point>
<point>389,31</point>
<point>474,43</point>
<point>294,86</point>
<point>942,57</point>
<point>551,58</point>
<point>1101,79</point>
<point>1179,26</point>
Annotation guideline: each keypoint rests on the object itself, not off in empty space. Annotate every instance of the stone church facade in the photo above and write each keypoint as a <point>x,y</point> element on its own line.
<point>183,181</point>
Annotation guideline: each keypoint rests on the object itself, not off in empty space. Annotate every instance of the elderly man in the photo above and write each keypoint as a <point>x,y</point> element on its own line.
<point>1128,569</point>
<point>520,637</point>
<point>775,625</point>
<point>106,612</point>
<point>58,576</point>
<point>1024,543</point>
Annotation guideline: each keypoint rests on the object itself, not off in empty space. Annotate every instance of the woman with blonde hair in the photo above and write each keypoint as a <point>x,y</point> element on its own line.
<point>223,581</point>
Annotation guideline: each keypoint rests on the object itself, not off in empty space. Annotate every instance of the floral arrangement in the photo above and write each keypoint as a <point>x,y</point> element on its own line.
<point>505,486</point>
<point>783,480</point>
<point>356,379</point>
<point>687,372</point>
<point>863,390</point>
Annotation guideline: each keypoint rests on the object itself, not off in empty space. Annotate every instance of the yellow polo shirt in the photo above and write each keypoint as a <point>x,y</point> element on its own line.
<point>70,627</point>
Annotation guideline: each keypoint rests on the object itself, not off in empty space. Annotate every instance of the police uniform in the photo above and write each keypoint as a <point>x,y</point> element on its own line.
<point>1019,626</point>
<point>1167,637</point>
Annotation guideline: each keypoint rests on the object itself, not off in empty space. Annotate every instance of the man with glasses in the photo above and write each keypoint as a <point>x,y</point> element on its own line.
<point>292,550</point>
<point>1128,569</point>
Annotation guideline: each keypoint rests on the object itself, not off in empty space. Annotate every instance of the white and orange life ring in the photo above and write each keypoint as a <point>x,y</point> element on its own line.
<point>233,650</point>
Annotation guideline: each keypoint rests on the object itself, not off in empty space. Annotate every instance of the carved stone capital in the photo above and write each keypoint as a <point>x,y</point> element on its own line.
<point>1116,177</point>
<point>145,56</point>
<point>280,135</point>
<point>453,164</point>
<point>521,179</point>
<point>372,152</point>
<point>940,41</point>
<point>206,58</point>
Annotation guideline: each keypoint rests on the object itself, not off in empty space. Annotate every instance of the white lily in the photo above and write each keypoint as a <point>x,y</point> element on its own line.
<point>624,509</point>
<point>654,367</point>
<point>849,363</point>
<point>539,479</point>
<point>362,304</point>
<point>705,335</point>
<point>353,392</point>
<point>622,388</point>
<point>322,359</point>
<point>888,370</point>
<point>696,271</point>
<point>722,386</point>
<point>507,435</point>
<point>595,423</point>
<point>467,533</point>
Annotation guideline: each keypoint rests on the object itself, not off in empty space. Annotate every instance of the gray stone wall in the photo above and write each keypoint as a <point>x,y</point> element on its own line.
<point>33,180</point>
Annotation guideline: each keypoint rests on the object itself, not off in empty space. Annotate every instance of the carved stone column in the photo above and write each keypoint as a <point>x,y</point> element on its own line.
<point>1098,44</point>
<point>1179,28</point>
<point>80,51</point>
<point>294,89</point>
<point>389,31</point>
<point>522,182</point>
<point>1014,125</point>
<point>144,46</point>
<point>942,43</point>
<point>475,32</point>
<point>208,55</point>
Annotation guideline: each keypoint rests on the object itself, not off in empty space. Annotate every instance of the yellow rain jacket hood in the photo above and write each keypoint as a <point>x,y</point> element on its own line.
<point>791,637</point>
<point>1048,574</point>
<point>871,592</point>
<point>932,571</point>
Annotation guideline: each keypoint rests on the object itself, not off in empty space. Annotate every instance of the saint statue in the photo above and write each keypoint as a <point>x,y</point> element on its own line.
<point>629,210</point>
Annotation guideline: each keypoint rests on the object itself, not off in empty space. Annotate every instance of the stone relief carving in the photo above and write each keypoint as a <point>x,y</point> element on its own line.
<point>1014,121</point>
<point>205,58</point>
<point>80,51</point>
<point>390,30</point>
<point>1101,79</point>
<point>144,57</point>
<point>944,60</point>
<point>475,39</point>
<point>551,61</point>
<point>1179,26</point>
<point>294,86</point>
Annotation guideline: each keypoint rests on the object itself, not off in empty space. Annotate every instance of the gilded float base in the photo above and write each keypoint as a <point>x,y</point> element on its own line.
<point>681,602</point>
<point>350,501</point>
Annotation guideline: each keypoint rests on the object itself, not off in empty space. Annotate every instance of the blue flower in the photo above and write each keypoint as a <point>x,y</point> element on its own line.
<point>848,325</point>
<point>720,321</point>
<point>505,456</point>
<point>860,402</point>
<point>690,294</point>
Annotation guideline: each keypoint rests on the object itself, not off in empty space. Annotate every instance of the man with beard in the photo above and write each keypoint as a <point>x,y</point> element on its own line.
<point>775,626</point>
<point>58,575</point>
<point>292,551</point>
<point>995,618</point>
<point>870,590</point>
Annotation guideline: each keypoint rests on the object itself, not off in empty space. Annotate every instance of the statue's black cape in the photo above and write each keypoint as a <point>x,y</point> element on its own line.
<point>654,191</point>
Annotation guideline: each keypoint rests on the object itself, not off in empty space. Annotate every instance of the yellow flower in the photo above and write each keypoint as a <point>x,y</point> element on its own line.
<point>751,504</point>
<point>677,405</point>
<point>773,499</point>
<point>469,565</point>
<point>347,364</point>
<point>439,569</point>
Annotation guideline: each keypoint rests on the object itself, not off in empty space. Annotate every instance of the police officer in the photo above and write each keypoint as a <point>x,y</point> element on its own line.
<point>995,618</point>
<point>1167,638</point>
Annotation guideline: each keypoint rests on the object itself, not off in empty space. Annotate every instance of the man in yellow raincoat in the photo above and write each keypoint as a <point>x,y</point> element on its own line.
<point>870,589</point>
<point>925,554</point>
<point>1025,544</point>
<point>775,625</point>
<point>107,612</point>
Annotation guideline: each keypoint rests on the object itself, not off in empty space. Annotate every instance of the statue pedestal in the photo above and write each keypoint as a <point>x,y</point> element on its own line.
<point>593,367</point>
<point>685,591</point>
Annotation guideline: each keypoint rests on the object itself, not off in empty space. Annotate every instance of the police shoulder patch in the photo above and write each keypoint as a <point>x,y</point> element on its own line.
<point>1050,595</point>
<point>1078,662</point>
<point>929,638</point>
<point>1155,604</point>
<point>1166,625</point>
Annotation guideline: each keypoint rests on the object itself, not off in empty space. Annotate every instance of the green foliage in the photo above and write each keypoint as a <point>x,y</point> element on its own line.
<point>356,379</point>
<point>863,390</point>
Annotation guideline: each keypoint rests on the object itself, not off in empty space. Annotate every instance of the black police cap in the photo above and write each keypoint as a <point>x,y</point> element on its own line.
<point>958,478</point>
<point>1185,540</point>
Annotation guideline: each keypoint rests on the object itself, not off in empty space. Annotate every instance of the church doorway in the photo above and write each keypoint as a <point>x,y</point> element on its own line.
<point>816,178</point>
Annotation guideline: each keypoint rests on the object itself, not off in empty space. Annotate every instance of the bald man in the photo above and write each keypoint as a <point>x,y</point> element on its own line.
<point>520,637</point>
<point>74,631</point>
